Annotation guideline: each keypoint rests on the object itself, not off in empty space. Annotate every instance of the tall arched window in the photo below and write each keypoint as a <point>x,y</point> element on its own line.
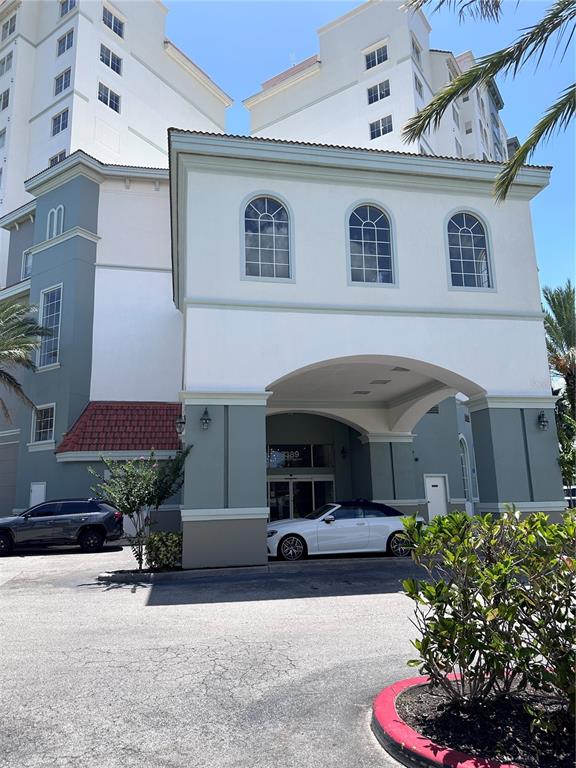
<point>370,246</point>
<point>55,222</point>
<point>465,465</point>
<point>267,239</point>
<point>468,247</point>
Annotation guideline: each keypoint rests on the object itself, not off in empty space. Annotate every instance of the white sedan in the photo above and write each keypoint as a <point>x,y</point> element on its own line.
<point>347,526</point>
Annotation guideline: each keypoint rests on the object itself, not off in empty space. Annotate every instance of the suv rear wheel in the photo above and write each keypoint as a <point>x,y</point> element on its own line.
<point>91,540</point>
<point>5,544</point>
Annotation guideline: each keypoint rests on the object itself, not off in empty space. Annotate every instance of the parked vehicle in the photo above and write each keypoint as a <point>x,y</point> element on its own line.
<point>344,526</point>
<point>86,522</point>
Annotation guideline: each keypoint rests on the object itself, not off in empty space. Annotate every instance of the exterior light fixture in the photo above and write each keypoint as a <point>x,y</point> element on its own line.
<point>543,421</point>
<point>180,424</point>
<point>205,419</point>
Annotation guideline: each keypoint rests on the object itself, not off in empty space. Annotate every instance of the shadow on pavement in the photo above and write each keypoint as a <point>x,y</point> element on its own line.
<point>61,550</point>
<point>323,579</point>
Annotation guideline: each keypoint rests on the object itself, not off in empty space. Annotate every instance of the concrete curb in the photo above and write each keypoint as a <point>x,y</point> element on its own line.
<point>406,745</point>
<point>132,577</point>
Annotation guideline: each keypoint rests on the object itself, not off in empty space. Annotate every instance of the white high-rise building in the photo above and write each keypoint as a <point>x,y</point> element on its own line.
<point>375,71</point>
<point>97,76</point>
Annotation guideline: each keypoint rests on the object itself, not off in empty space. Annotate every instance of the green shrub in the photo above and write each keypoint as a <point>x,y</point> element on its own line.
<point>498,606</point>
<point>164,551</point>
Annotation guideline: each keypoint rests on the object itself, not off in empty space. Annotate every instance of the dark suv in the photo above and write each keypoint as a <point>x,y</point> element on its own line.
<point>87,522</point>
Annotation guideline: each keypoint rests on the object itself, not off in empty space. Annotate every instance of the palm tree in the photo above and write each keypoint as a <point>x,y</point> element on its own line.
<point>557,22</point>
<point>20,335</point>
<point>560,325</point>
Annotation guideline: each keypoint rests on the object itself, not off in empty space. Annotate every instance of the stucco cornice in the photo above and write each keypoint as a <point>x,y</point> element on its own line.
<point>19,215</point>
<point>485,402</point>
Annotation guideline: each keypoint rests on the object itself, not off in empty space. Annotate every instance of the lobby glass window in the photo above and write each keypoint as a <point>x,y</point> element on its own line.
<point>468,249</point>
<point>381,127</point>
<point>66,6</point>
<point>62,81</point>
<point>6,63</point>
<point>110,59</point>
<point>65,42</point>
<point>5,99</point>
<point>303,456</point>
<point>378,91</point>
<point>43,424</point>
<point>370,246</point>
<point>50,310</point>
<point>113,22</point>
<point>266,239</point>
<point>108,97</point>
<point>378,56</point>
<point>8,27</point>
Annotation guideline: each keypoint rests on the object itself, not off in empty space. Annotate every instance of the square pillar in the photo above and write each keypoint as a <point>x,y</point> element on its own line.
<point>224,507</point>
<point>393,475</point>
<point>517,460</point>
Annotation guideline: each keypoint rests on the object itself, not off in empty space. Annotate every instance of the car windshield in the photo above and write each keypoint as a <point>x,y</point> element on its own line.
<point>319,512</point>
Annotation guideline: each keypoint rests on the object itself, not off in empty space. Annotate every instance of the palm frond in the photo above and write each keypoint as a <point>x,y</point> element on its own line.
<point>489,10</point>
<point>557,118</point>
<point>531,44</point>
<point>11,383</point>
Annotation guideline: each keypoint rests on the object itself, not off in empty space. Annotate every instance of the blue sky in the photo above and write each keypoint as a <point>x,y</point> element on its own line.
<point>240,44</point>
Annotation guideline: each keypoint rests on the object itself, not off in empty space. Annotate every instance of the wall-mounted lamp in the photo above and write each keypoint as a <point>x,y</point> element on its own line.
<point>205,419</point>
<point>180,424</point>
<point>543,421</point>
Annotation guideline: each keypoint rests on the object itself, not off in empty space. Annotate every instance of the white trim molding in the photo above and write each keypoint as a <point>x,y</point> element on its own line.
<point>387,437</point>
<point>521,506</point>
<point>46,445</point>
<point>69,456</point>
<point>224,398</point>
<point>18,289</point>
<point>482,402</point>
<point>66,235</point>
<point>227,513</point>
<point>401,502</point>
<point>9,432</point>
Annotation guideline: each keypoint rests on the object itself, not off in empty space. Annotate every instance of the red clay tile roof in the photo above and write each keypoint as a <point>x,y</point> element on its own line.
<point>122,426</point>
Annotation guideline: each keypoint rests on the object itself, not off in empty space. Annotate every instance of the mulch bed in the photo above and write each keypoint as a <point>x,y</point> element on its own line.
<point>499,729</point>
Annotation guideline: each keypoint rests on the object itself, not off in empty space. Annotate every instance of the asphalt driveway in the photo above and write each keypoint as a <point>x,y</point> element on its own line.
<point>251,670</point>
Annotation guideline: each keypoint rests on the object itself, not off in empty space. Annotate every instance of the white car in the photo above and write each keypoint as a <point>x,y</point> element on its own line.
<point>345,526</point>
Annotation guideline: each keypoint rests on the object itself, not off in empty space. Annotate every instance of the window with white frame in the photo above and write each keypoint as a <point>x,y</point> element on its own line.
<point>6,63</point>
<point>50,312</point>
<point>459,152</point>
<point>8,27</point>
<point>26,264</point>
<point>416,52</point>
<point>4,99</point>
<point>378,91</point>
<point>43,424</point>
<point>465,467</point>
<point>381,127</point>
<point>455,115</point>
<point>267,239</point>
<point>419,87</point>
<point>55,222</point>
<point>66,6</point>
<point>65,42</point>
<point>468,250</point>
<point>60,122</point>
<point>370,244</point>
<point>62,81</point>
<point>2,138</point>
<point>107,96</point>
<point>110,59</point>
<point>55,159</point>
<point>113,22</point>
<point>377,56</point>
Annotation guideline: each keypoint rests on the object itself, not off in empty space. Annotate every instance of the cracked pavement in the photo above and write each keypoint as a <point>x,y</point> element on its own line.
<point>231,671</point>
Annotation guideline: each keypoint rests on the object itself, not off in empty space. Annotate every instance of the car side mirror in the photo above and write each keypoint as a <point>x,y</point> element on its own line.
<point>26,515</point>
<point>329,519</point>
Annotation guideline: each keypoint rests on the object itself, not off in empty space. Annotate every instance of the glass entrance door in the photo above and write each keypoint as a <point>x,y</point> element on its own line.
<point>298,496</point>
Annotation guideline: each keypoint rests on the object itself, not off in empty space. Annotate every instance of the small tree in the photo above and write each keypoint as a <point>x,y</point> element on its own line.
<point>169,479</point>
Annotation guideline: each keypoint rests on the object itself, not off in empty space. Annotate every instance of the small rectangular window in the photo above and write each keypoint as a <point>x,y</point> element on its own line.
<point>459,152</point>
<point>26,264</point>
<point>416,52</point>
<point>62,81</point>
<point>113,22</point>
<point>65,42</point>
<point>380,127</point>
<point>466,98</point>
<point>110,59</point>
<point>50,311</point>
<point>66,6</point>
<point>455,116</point>
<point>5,99</point>
<point>418,86</point>
<point>6,63</point>
<point>60,122</point>
<point>55,159</point>
<point>468,127</point>
<point>8,27</point>
<point>2,138</point>
<point>378,56</point>
<point>108,97</point>
<point>378,91</point>
<point>43,424</point>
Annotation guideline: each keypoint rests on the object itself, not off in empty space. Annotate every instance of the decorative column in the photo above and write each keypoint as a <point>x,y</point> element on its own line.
<point>516,448</point>
<point>224,505</point>
<point>393,475</point>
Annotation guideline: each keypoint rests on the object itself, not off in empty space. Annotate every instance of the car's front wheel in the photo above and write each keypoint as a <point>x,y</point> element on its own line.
<point>292,547</point>
<point>398,545</point>
<point>5,544</point>
<point>91,540</point>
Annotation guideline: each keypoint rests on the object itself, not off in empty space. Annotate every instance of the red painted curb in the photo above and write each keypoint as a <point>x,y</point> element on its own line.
<point>407,745</point>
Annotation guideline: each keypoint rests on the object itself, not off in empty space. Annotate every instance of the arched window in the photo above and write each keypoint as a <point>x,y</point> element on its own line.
<point>267,239</point>
<point>370,246</point>
<point>465,465</point>
<point>468,247</point>
<point>55,223</point>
